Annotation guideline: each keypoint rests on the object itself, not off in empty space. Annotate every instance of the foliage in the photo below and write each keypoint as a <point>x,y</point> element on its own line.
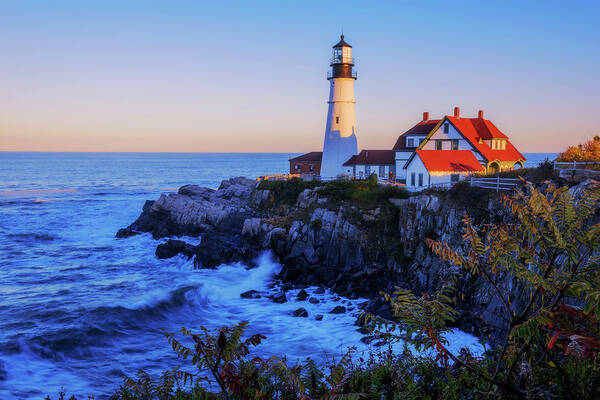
<point>222,357</point>
<point>287,191</point>
<point>545,171</point>
<point>586,152</point>
<point>362,193</point>
<point>552,339</point>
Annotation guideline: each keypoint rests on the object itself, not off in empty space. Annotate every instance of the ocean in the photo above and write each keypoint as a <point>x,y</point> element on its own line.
<point>81,309</point>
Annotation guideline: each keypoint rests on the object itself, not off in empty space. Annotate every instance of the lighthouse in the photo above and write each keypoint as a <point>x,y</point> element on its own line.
<point>340,130</point>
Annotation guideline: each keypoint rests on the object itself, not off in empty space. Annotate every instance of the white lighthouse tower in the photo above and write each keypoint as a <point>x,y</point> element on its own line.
<point>340,131</point>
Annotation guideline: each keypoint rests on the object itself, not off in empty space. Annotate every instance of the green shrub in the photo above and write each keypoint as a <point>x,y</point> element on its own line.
<point>286,192</point>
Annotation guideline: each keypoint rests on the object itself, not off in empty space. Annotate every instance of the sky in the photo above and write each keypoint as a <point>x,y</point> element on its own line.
<point>227,76</point>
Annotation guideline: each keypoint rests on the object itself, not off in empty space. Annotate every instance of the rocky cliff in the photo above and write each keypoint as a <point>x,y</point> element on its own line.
<point>321,241</point>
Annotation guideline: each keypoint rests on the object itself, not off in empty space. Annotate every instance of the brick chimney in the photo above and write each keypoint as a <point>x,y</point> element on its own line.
<point>425,116</point>
<point>456,112</point>
<point>480,114</point>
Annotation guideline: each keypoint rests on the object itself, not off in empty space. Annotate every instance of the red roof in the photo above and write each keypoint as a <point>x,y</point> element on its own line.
<point>373,157</point>
<point>449,161</point>
<point>421,129</point>
<point>313,156</point>
<point>477,130</point>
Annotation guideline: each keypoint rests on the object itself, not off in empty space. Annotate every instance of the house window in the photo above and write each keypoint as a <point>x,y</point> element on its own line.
<point>412,179</point>
<point>420,180</point>
<point>354,171</point>
<point>454,178</point>
<point>438,144</point>
<point>454,144</point>
<point>337,120</point>
<point>367,170</point>
<point>311,168</point>
<point>410,142</point>
<point>297,166</point>
<point>446,128</point>
<point>381,170</point>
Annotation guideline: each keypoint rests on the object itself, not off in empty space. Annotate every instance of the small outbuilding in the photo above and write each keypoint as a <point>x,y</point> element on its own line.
<point>368,162</point>
<point>307,165</point>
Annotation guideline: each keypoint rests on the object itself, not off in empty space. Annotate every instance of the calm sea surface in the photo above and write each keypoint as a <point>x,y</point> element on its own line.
<point>80,309</point>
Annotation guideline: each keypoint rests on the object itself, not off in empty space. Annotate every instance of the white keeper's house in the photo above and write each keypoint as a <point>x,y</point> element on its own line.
<point>431,153</point>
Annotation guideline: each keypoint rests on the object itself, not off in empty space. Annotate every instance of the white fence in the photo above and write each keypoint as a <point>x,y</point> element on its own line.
<point>575,164</point>
<point>496,183</point>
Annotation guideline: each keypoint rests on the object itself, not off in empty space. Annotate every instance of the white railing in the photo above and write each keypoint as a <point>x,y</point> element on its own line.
<point>496,183</point>
<point>574,164</point>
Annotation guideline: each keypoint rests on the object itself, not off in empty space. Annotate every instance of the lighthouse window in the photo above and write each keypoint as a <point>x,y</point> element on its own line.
<point>337,120</point>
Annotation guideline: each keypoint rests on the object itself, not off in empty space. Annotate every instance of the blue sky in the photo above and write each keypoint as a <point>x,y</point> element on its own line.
<point>250,76</point>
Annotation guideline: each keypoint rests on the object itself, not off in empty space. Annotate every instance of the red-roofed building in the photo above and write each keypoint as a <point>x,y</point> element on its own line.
<point>307,165</point>
<point>444,143</point>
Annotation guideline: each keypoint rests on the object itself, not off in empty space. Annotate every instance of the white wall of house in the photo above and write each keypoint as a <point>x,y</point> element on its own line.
<point>423,179</point>
<point>417,176</point>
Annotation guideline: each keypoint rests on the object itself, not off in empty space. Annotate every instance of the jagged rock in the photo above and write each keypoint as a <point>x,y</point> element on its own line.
<point>279,297</point>
<point>196,192</point>
<point>589,184</point>
<point>260,196</point>
<point>301,312</point>
<point>126,232</point>
<point>171,248</point>
<point>319,317</point>
<point>217,249</point>
<point>306,198</point>
<point>319,290</point>
<point>338,310</point>
<point>195,209</point>
<point>313,300</point>
<point>251,294</point>
<point>302,295</point>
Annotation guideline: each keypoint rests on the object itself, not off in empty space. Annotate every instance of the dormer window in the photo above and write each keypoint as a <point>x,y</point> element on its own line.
<point>410,142</point>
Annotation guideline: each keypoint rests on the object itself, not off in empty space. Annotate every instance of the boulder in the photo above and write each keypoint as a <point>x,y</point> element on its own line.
<point>301,312</point>
<point>338,310</point>
<point>319,317</point>
<point>251,294</point>
<point>217,249</point>
<point>302,295</point>
<point>313,300</point>
<point>171,248</point>
<point>279,297</point>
